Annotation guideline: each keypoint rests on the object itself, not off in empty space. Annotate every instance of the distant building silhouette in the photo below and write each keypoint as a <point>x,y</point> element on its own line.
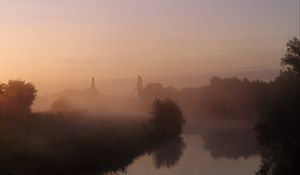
<point>93,84</point>
<point>93,88</point>
<point>140,86</point>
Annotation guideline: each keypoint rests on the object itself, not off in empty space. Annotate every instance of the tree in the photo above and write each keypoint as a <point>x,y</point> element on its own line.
<point>291,60</point>
<point>278,131</point>
<point>1,100</point>
<point>17,97</point>
<point>62,104</point>
<point>154,91</point>
<point>167,118</point>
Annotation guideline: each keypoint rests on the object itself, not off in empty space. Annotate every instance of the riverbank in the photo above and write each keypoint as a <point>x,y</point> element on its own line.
<point>72,144</point>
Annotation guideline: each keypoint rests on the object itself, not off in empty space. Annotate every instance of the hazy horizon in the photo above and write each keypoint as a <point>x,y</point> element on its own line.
<point>126,86</point>
<point>62,41</point>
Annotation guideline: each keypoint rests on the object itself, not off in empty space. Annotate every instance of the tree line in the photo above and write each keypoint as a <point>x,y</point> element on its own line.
<point>273,106</point>
<point>50,143</point>
<point>227,98</point>
<point>278,131</point>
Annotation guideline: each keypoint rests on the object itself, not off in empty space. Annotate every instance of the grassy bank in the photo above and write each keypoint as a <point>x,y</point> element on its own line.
<point>72,144</point>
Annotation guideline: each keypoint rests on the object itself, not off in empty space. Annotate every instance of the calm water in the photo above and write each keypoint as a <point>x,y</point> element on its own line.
<point>206,149</point>
<point>226,154</point>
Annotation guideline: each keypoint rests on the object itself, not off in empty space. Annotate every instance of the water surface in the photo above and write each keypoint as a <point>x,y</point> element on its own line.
<point>196,157</point>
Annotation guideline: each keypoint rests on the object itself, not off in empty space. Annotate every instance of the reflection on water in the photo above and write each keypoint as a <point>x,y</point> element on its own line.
<point>230,143</point>
<point>196,159</point>
<point>168,154</point>
<point>209,152</point>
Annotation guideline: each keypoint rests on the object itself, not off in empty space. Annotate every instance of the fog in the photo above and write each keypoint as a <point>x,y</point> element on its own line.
<point>119,97</point>
<point>90,100</point>
<point>100,87</point>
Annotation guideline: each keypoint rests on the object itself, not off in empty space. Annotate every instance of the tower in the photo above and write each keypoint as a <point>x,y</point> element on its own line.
<point>140,86</point>
<point>93,84</point>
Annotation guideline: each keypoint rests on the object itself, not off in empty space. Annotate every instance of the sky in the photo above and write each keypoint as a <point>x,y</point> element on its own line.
<point>65,40</point>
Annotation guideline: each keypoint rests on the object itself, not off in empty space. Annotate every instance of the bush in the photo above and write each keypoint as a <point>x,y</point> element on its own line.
<point>167,118</point>
<point>16,98</point>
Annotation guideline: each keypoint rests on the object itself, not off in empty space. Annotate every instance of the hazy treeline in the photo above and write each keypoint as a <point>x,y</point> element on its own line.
<point>230,143</point>
<point>91,100</point>
<point>228,98</point>
<point>274,106</point>
<point>79,142</point>
<point>278,131</point>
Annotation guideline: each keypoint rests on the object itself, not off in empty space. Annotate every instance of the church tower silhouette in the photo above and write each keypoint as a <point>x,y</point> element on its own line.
<point>93,86</point>
<point>140,86</point>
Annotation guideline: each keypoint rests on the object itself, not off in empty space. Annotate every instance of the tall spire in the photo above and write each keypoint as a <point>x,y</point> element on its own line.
<point>140,86</point>
<point>93,84</point>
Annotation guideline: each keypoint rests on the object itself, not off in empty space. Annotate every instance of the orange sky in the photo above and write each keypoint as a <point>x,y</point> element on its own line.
<point>59,40</point>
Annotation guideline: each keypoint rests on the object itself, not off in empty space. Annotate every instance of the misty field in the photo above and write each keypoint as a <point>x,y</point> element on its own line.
<point>49,144</point>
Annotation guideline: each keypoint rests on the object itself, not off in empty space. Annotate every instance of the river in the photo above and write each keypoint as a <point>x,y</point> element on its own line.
<point>208,155</point>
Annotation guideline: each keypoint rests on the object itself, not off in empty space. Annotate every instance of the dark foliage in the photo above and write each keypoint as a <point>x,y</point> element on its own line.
<point>16,97</point>
<point>278,131</point>
<point>232,98</point>
<point>167,118</point>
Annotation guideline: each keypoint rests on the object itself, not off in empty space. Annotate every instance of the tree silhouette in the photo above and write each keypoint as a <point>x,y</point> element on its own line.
<point>291,60</point>
<point>17,97</point>
<point>224,98</point>
<point>1,99</point>
<point>278,130</point>
<point>62,104</point>
<point>154,91</point>
<point>167,118</point>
